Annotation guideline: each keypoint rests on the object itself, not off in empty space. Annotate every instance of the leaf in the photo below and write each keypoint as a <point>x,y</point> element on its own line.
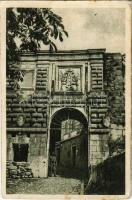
<point>32,27</point>
<point>54,46</point>
<point>66,33</point>
<point>51,48</point>
<point>60,37</point>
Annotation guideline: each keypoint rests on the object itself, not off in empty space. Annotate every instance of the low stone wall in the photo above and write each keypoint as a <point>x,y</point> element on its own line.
<point>18,170</point>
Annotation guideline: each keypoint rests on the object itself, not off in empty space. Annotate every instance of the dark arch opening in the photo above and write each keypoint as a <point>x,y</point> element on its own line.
<point>69,140</point>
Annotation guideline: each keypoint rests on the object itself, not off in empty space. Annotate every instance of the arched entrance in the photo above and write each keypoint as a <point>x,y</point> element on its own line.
<point>69,141</point>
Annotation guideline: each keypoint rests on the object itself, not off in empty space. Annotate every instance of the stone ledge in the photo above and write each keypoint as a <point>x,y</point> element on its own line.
<point>18,129</point>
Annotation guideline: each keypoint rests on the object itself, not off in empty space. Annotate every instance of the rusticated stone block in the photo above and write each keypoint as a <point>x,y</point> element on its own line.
<point>94,69</point>
<point>42,110</point>
<point>28,119</point>
<point>94,75</point>
<point>9,119</point>
<point>13,114</point>
<point>100,126</point>
<point>99,131</point>
<point>40,79</point>
<point>26,105</point>
<point>97,94</point>
<point>37,125</point>
<point>39,75</point>
<point>40,87</point>
<point>41,120</point>
<point>41,100</point>
<point>94,82</point>
<point>42,70</point>
<point>43,83</point>
<point>97,87</point>
<point>40,115</point>
<point>39,83</point>
<point>18,110</point>
<point>11,95</point>
<point>99,110</point>
<point>42,96</point>
<point>99,82</point>
<point>9,87</point>
<point>44,125</point>
<point>9,100</point>
<point>94,126</point>
<point>8,109</point>
<point>101,115</point>
<point>33,120</point>
<point>27,124</point>
<point>15,100</point>
<point>38,105</point>
<point>14,119</point>
<point>29,110</point>
<point>45,114</point>
<point>94,115</point>
<point>95,120</point>
<point>45,76</point>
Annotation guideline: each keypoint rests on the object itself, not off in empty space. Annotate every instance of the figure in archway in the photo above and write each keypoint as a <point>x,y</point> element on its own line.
<point>53,164</point>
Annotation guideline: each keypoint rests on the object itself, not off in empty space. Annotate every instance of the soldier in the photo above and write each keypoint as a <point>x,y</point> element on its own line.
<point>53,164</point>
<point>50,164</point>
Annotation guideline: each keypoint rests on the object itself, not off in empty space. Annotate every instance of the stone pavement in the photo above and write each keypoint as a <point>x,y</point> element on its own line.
<point>50,185</point>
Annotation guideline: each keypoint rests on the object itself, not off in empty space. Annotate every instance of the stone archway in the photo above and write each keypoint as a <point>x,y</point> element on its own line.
<point>69,139</point>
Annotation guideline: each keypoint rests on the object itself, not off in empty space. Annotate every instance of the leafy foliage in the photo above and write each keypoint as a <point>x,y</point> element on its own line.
<point>27,30</point>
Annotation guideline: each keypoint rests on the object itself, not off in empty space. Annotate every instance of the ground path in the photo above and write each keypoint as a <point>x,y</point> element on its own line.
<point>50,185</point>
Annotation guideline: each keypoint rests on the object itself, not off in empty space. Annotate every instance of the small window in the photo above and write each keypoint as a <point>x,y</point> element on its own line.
<point>20,152</point>
<point>28,80</point>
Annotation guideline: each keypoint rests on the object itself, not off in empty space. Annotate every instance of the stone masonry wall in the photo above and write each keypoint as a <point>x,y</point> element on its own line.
<point>96,65</point>
<point>98,132</point>
<point>106,96</point>
<point>114,86</point>
<point>98,105</point>
<point>35,111</point>
<point>111,101</point>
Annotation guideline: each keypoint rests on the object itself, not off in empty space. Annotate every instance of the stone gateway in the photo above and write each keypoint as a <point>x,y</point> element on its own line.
<point>64,107</point>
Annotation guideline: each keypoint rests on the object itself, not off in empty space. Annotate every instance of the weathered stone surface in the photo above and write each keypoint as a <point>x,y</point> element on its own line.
<point>38,115</point>
<point>99,131</point>
<point>19,170</point>
<point>38,125</point>
<point>114,81</point>
<point>103,86</point>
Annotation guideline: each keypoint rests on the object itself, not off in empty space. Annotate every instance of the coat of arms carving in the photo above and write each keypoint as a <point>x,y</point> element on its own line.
<point>69,80</point>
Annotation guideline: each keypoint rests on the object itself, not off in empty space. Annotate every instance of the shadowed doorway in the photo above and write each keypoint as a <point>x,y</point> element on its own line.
<point>69,142</point>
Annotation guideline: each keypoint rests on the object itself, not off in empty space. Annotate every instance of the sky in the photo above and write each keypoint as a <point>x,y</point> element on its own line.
<point>93,28</point>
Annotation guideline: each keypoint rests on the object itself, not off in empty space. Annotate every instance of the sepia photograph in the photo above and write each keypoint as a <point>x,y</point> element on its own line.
<point>66,96</point>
